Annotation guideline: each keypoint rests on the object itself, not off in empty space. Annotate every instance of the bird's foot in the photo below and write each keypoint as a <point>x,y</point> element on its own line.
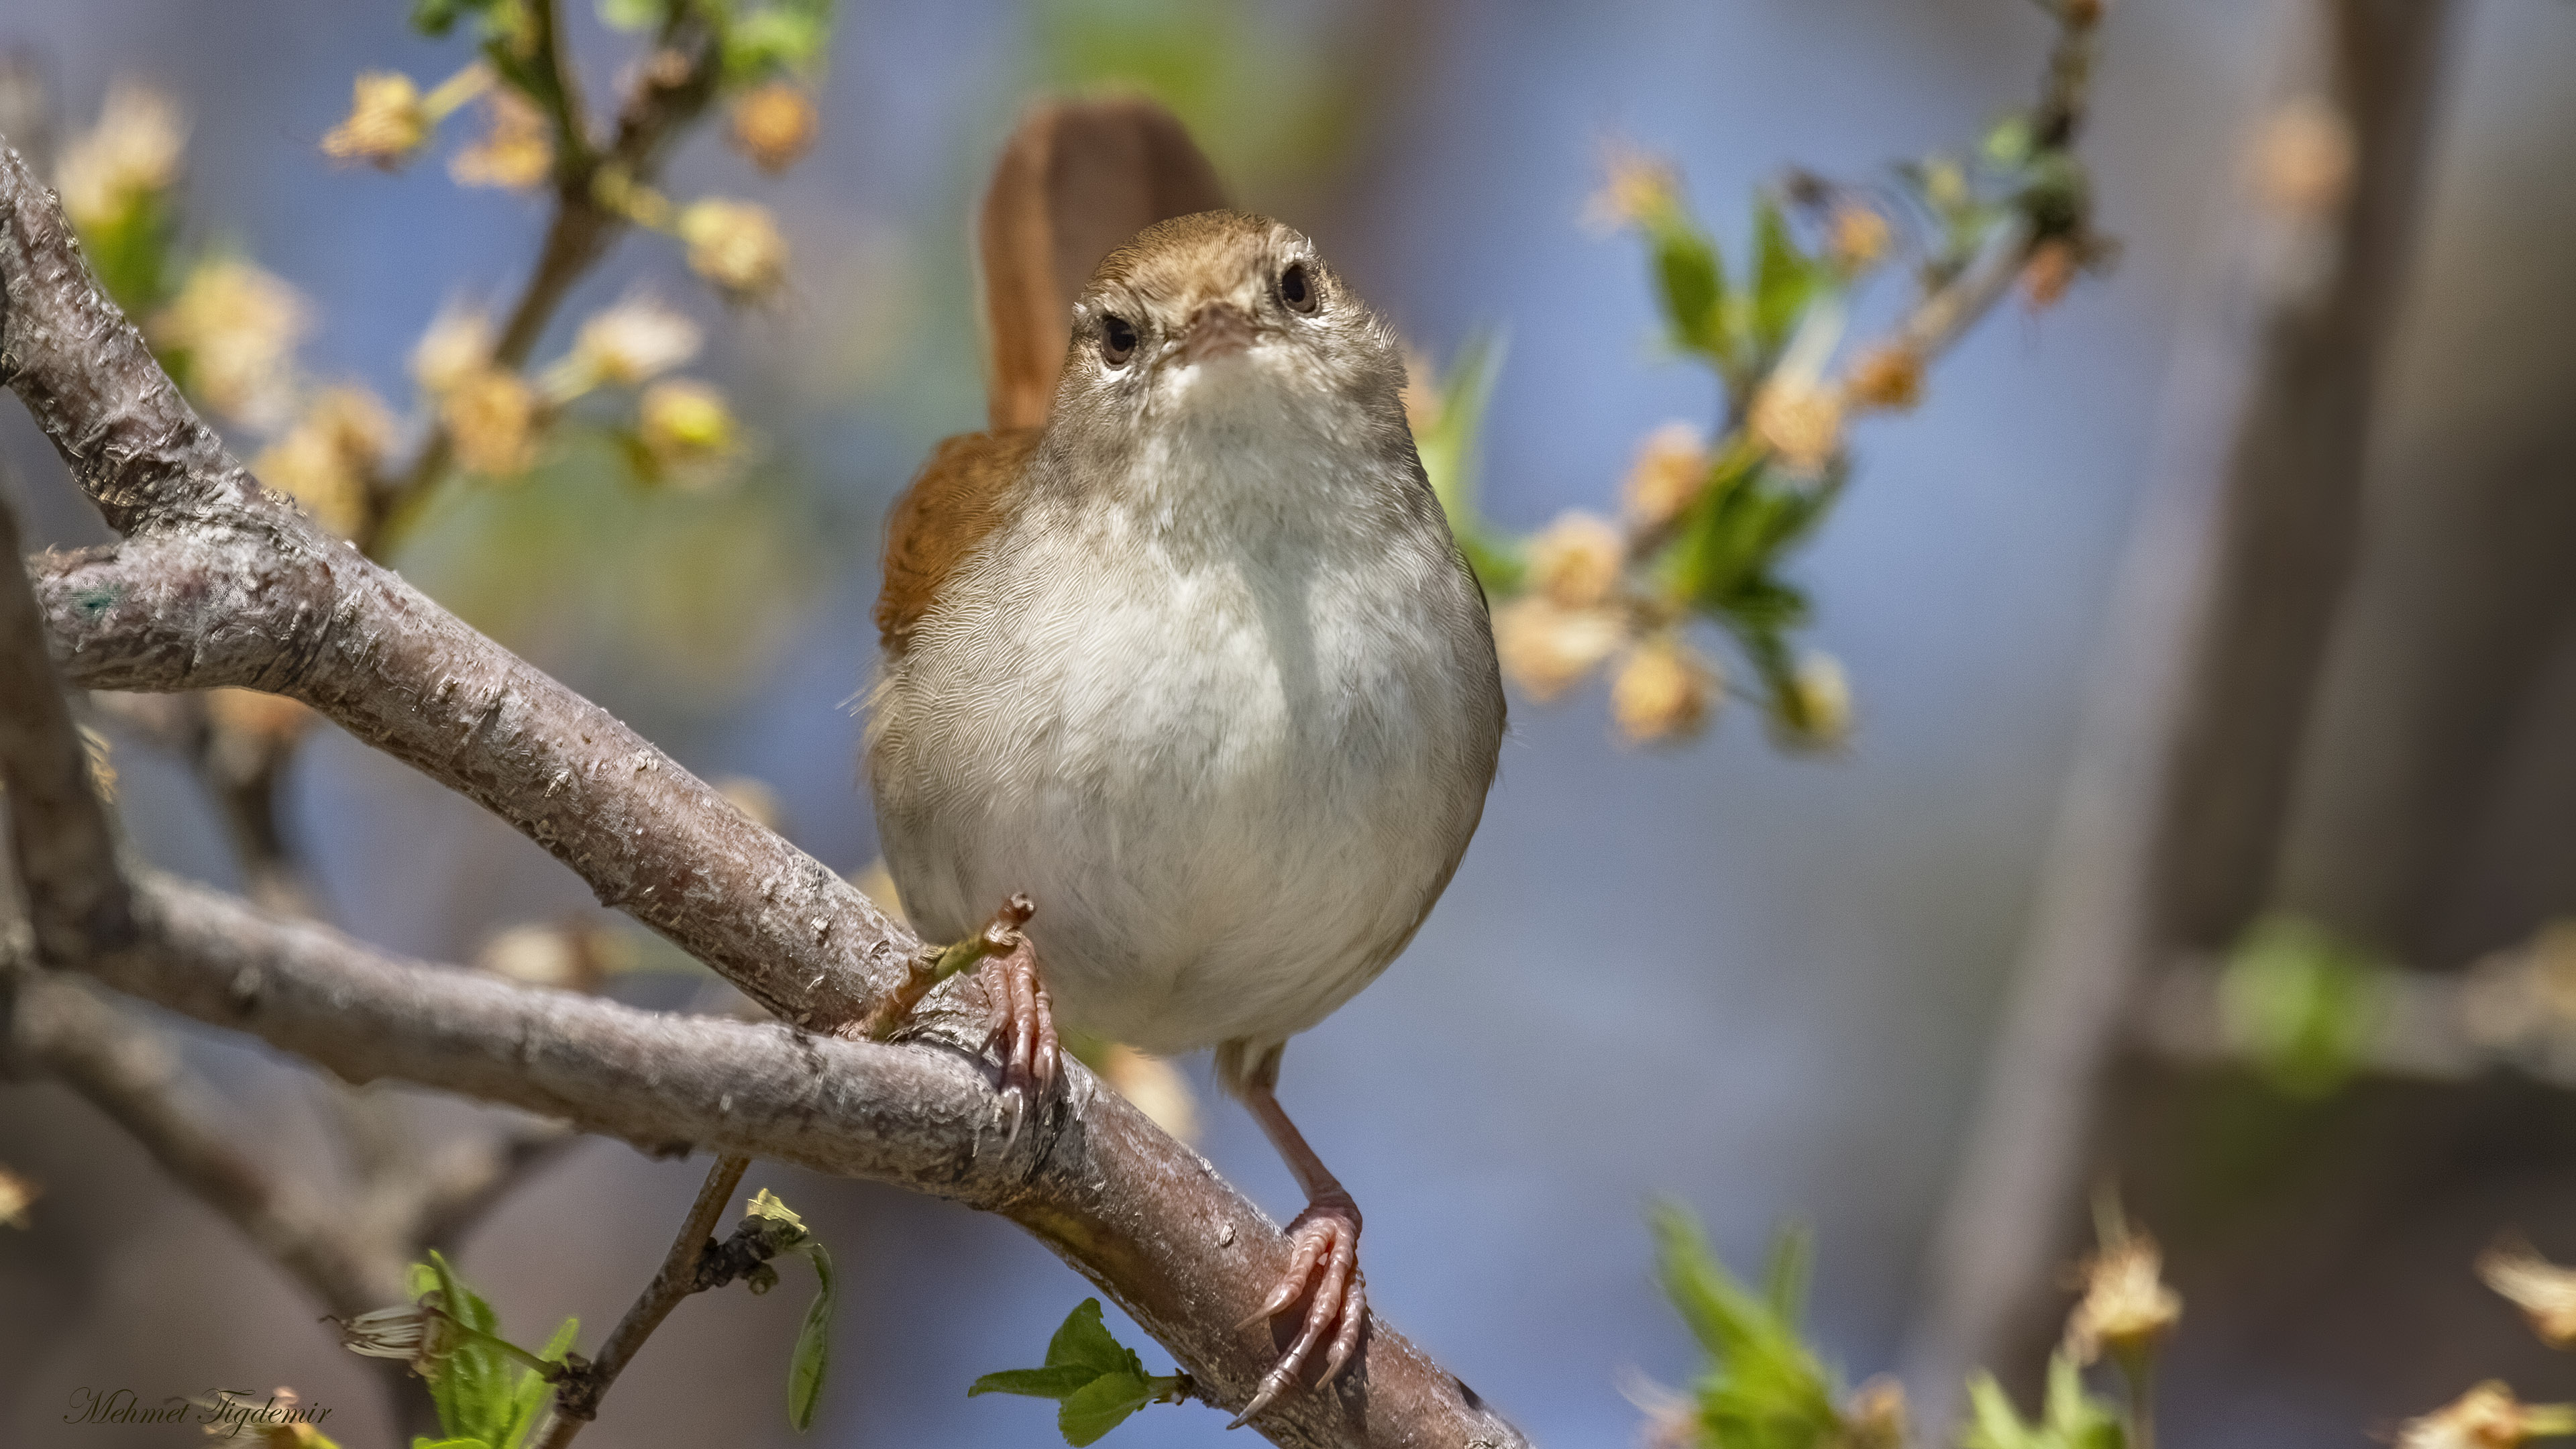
<point>1023,1028</point>
<point>1325,1272</point>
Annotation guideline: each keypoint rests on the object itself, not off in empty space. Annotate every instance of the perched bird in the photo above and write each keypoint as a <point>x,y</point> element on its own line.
<point>1182,650</point>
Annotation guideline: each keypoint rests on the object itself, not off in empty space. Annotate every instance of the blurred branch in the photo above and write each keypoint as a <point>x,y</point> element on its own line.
<point>2171,813</point>
<point>217,582</point>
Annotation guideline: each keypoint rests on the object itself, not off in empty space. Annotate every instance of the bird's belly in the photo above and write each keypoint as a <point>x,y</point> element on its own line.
<point>1230,798</point>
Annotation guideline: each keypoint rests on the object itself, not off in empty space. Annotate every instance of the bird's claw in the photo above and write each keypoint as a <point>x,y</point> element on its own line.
<point>1023,1029</point>
<point>1327,1266</point>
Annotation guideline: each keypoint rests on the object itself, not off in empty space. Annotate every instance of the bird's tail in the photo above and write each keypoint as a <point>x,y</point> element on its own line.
<point>1077,179</point>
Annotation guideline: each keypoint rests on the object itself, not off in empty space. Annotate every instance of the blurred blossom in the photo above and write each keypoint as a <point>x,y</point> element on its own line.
<point>412,1331</point>
<point>1800,421</point>
<point>516,151</point>
<point>572,956</point>
<point>101,753</point>
<point>1889,375</point>
<point>457,346</point>
<point>1421,395</point>
<point>492,417</point>
<point>257,713</point>
<point>386,123</point>
<point>2486,1417</point>
<point>1819,707</point>
<point>1636,188</point>
<point>774,125</point>
<point>1576,561</point>
<point>1858,236</point>
<point>1665,691</point>
<point>1875,1418</point>
<point>1156,1088</point>
<point>632,342</point>
<point>735,245</point>
<point>1668,476</point>
<point>328,459</point>
<point>876,882</point>
<point>238,325</point>
<point>2126,1309</point>
<point>683,425</point>
<point>753,798</point>
<point>2545,1292</point>
<point>2303,158</point>
<point>1546,648</point>
<point>134,150</point>
<point>2049,272</point>
<point>17,1194</point>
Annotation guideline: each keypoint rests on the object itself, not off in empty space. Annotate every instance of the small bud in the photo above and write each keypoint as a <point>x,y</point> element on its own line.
<point>1800,422</point>
<point>1546,648</point>
<point>735,245</point>
<point>17,1194</point>
<point>1875,1418</point>
<point>2048,274</point>
<point>1818,708</point>
<point>516,151</point>
<point>1670,473</point>
<point>133,151</point>
<point>492,418</point>
<point>2486,1417</point>
<point>1889,375</point>
<point>1664,693</point>
<point>684,427</point>
<point>774,125</point>
<point>329,458</point>
<point>457,346</point>
<point>1637,189</point>
<point>2126,1310</point>
<point>2545,1292</point>
<point>1858,237</point>
<point>1156,1089</point>
<point>1577,560</point>
<point>239,325</point>
<point>630,343</point>
<point>386,123</point>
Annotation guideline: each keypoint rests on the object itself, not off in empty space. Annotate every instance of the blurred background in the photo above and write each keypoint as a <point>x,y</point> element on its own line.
<point>1764,984</point>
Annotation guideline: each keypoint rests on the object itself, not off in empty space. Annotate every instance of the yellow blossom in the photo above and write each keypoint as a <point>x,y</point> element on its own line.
<point>17,1194</point>
<point>516,151</point>
<point>1664,692</point>
<point>1546,648</point>
<point>2049,272</point>
<point>239,326</point>
<point>1156,1089</point>
<point>492,416</point>
<point>1670,473</point>
<point>329,458</point>
<point>2126,1308</point>
<point>774,125</point>
<point>630,343</point>
<point>1801,422</point>
<point>386,123</point>
<point>683,426</point>
<point>1818,710</point>
<point>2545,1292</point>
<point>1576,561</point>
<point>1889,375</point>
<point>457,346</point>
<point>2486,1417</point>
<point>1636,189</point>
<point>735,245</point>
<point>134,150</point>
<point>1858,236</point>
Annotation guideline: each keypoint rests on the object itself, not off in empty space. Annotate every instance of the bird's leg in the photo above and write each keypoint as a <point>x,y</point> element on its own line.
<point>1326,1268</point>
<point>1023,1026</point>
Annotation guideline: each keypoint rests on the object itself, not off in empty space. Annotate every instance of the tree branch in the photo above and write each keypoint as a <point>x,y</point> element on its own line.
<point>222,583</point>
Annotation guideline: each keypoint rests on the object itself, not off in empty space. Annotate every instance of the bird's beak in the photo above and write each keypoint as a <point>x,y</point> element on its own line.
<point>1219,329</point>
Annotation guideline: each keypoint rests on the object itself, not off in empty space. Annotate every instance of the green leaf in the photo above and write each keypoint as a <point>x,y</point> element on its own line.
<point>1037,1383</point>
<point>528,1396</point>
<point>2302,1002</point>
<point>1765,1386</point>
<point>1785,279</point>
<point>1101,1405</point>
<point>2071,1417</point>
<point>1085,1340</point>
<point>813,1343</point>
<point>1690,278</point>
<point>632,15</point>
<point>470,1385</point>
<point>437,17</point>
<point>424,1442</point>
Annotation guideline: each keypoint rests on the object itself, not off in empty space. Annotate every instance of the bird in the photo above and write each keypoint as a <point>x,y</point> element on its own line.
<point>1180,649</point>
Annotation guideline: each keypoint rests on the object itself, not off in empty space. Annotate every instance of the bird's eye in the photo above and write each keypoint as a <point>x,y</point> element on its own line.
<point>1117,340</point>
<point>1297,288</point>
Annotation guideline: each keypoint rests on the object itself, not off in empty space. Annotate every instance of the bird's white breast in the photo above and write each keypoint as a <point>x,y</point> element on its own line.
<point>1229,732</point>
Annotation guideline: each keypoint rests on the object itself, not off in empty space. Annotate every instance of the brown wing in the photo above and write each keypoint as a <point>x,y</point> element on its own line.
<point>950,507</point>
<point>1077,179</point>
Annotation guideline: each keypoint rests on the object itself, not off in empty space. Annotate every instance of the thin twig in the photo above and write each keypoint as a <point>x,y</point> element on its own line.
<point>578,1393</point>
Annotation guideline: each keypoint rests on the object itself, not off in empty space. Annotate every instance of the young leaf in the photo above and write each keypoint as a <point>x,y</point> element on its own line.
<point>1785,279</point>
<point>1095,1380</point>
<point>1100,1406</point>
<point>470,1386</point>
<point>1083,1339</point>
<point>813,1343</point>
<point>1765,1386</point>
<point>528,1397</point>
<point>1691,280</point>
<point>1056,1382</point>
<point>2070,1417</point>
